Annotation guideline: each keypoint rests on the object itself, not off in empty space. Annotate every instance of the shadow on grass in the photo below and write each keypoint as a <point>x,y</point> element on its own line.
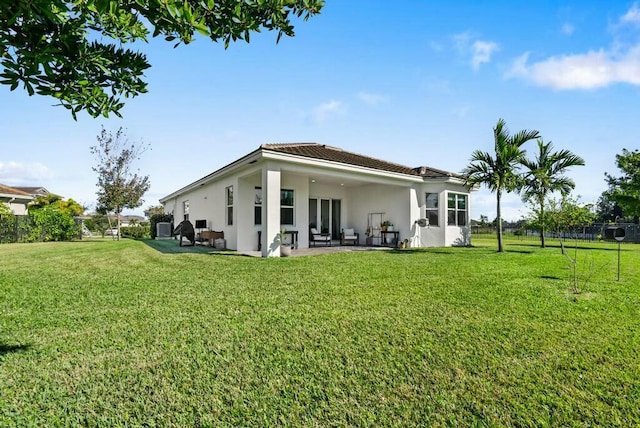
<point>511,250</point>
<point>450,251</point>
<point>6,349</point>
<point>569,245</point>
<point>170,246</point>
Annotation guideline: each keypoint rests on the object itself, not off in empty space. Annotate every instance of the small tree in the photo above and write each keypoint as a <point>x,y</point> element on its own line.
<point>119,186</point>
<point>98,223</point>
<point>567,214</point>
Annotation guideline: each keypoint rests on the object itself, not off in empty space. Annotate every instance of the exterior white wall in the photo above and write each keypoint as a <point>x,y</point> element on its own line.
<point>456,235</point>
<point>393,201</point>
<point>18,208</point>
<point>432,236</point>
<point>208,203</point>
<point>442,234</point>
<point>402,204</point>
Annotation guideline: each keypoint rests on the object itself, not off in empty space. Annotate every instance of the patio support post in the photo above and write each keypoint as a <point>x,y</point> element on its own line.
<point>270,211</point>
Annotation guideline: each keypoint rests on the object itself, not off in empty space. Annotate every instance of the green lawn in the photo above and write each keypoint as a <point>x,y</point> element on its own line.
<point>110,333</point>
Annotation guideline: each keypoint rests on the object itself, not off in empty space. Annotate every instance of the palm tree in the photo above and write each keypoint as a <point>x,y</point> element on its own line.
<point>545,176</point>
<point>499,173</point>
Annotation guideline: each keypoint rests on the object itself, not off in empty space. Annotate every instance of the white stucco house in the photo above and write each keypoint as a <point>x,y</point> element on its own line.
<point>17,200</point>
<point>304,185</point>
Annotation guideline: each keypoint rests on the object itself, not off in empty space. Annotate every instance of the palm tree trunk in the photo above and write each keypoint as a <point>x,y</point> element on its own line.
<point>542,243</point>
<point>499,220</point>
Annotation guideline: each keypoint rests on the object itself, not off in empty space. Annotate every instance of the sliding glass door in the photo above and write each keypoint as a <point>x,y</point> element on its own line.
<point>324,215</point>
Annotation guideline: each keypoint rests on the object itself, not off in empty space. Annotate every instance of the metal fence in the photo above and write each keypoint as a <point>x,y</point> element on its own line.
<point>22,228</point>
<point>593,232</point>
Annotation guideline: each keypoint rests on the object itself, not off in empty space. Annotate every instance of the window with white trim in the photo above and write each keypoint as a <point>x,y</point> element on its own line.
<point>257,206</point>
<point>286,207</point>
<point>456,209</point>
<point>431,209</point>
<point>229,201</point>
<point>185,210</point>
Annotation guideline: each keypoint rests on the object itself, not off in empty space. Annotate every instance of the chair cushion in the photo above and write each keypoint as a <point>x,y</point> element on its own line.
<point>349,233</point>
<point>314,231</point>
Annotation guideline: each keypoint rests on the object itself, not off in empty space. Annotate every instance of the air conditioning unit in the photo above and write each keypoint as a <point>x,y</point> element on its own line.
<point>163,230</point>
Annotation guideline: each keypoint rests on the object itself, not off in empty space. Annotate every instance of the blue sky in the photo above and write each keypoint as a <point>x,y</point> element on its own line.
<point>412,82</point>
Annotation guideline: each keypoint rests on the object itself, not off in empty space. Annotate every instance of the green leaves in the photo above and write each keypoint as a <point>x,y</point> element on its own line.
<point>72,50</point>
<point>118,185</point>
<point>625,190</point>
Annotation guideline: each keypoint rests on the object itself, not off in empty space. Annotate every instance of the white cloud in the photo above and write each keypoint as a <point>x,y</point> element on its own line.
<point>618,63</point>
<point>594,69</point>
<point>632,16</point>
<point>482,52</point>
<point>371,99</point>
<point>567,29</point>
<point>461,41</point>
<point>331,108</point>
<point>18,173</point>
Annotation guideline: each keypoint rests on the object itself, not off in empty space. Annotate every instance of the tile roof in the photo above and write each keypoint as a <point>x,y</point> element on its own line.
<point>12,191</point>
<point>37,191</point>
<point>336,154</point>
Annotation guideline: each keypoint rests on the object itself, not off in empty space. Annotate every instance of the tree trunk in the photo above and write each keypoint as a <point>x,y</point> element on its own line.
<point>118,225</point>
<point>542,243</point>
<point>499,220</point>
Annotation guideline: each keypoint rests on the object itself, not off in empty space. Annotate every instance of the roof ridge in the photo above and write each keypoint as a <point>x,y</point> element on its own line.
<point>282,145</point>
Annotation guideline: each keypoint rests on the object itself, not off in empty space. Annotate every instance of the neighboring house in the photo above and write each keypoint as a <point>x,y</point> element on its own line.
<point>125,220</point>
<point>16,199</point>
<point>298,186</point>
<point>33,191</point>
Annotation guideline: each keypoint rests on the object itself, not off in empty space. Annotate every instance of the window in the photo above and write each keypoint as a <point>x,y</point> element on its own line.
<point>457,209</point>
<point>185,210</point>
<point>257,206</point>
<point>432,209</point>
<point>286,207</point>
<point>229,192</point>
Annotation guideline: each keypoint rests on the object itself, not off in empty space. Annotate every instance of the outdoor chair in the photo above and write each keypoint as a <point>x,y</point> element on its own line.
<point>315,236</point>
<point>349,235</point>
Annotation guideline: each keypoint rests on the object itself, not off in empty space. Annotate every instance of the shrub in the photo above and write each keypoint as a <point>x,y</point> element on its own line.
<point>52,224</point>
<point>135,232</point>
<point>7,228</point>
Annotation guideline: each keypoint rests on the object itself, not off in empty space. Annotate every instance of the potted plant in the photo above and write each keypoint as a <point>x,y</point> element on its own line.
<point>386,226</point>
<point>404,243</point>
<point>285,249</point>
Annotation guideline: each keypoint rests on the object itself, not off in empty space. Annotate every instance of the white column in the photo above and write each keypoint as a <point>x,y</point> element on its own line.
<point>270,211</point>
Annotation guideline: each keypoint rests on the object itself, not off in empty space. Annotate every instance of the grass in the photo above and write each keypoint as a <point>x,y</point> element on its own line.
<point>111,333</point>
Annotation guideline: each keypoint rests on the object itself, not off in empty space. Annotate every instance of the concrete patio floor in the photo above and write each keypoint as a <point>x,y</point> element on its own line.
<point>313,251</point>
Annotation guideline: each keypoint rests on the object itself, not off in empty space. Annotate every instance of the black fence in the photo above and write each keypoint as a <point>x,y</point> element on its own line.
<point>23,228</point>
<point>589,233</point>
